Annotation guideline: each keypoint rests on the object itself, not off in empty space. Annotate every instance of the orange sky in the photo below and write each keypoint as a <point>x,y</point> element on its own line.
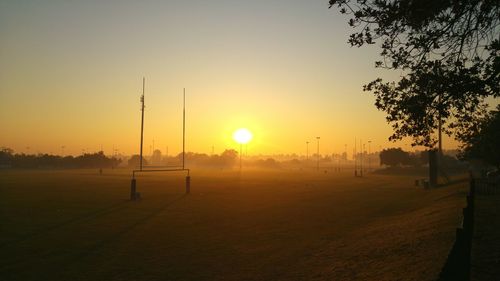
<point>71,75</point>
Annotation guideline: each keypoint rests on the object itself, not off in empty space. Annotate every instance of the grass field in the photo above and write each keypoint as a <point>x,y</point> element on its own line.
<point>262,225</point>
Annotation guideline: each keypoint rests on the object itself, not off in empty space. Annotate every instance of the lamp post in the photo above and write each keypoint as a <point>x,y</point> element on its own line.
<point>241,146</point>
<point>317,153</point>
<point>307,150</point>
<point>242,136</point>
<point>362,157</point>
<point>369,155</point>
<point>345,151</point>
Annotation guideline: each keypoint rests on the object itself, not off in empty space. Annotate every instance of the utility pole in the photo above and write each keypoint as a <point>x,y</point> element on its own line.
<point>361,158</point>
<point>184,129</point>
<point>317,153</point>
<point>364,152</point>
<point>241,148</point>
<point>440,143</point>
<point>142,121</point>
<point>307,150</point>
<point>355,158</point>
<point>369,155</point>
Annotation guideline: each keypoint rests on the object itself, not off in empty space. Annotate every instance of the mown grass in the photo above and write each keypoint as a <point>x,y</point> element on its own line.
<point>260,225</point>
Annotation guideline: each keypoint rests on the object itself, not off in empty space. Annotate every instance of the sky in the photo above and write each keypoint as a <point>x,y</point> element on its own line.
<point>71,77</point>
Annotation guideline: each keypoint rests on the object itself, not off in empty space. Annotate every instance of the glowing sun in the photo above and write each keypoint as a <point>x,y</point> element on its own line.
<point>242,136</point>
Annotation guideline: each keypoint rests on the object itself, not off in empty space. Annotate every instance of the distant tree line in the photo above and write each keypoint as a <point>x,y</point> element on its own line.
<point>396,157</point>
<point>226,159</point>
<point>9,159</point>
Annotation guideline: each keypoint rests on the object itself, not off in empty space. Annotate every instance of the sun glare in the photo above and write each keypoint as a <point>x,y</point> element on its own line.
<point>242,136</point>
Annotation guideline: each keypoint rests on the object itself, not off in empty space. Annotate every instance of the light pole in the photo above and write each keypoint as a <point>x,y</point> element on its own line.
<point>369,155</point>
<point>317,153</point>
<point>307,150</point>
<point>242,136</point>
<point>362,157</point>
<point>345,151</point>
<point>241,146</point>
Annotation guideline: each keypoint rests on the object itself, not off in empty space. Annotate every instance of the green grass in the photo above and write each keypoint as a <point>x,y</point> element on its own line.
<point>262,225</point>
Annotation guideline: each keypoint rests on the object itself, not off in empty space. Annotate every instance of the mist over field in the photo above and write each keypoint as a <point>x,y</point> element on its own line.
<point>261,224</point>
<point>249,140</point>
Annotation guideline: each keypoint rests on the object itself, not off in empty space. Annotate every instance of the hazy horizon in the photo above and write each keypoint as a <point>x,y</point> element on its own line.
<point>71,75</point>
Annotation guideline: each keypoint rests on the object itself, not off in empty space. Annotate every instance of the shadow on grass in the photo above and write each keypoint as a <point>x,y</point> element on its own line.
<point>117,235</point>
<point>91,215</point>
<point>77,255</point>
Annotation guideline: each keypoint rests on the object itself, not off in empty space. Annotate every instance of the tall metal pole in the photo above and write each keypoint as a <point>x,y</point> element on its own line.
<point>307,150</point>
<point>241,148</point>
<point>364,150</point>
<point>355,158</point>
<point>184,129</point>
<point>317,153</point>
<point>440,143</point>
<point>361,157</point>
<point>369,155</point>
<point>142,120</point>
<point>345,151</point>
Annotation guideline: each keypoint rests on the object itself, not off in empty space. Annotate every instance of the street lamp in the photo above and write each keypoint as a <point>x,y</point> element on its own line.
<point>317,153</point>
<point>307,150</point>
<point>242,136</point>
<point>362,158</point>
<point>369,155</point>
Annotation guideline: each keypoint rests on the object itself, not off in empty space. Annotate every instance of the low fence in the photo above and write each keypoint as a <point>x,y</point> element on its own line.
<point>458,264</point>
<point>487,186</point>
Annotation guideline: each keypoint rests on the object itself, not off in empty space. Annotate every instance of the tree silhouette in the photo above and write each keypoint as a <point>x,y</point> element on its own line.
<point>448,52</point>
<point>87,160</point>
<point>135,161</point>
<point>6,156</point>
<point>394,157</point>
<point>484,141</point>
<point>156,157</point>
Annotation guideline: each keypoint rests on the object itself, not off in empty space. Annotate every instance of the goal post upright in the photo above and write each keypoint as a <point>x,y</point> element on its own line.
<point>134,195</point>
